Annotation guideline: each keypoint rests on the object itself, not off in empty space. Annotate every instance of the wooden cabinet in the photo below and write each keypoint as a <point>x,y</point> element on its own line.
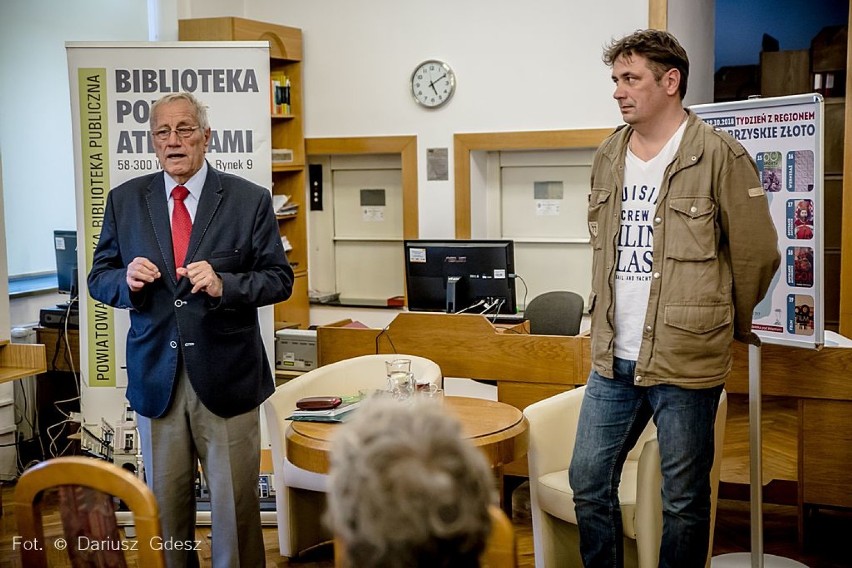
<point>62,349</point>
<point>825,444</point>
<point>288,177</point>
<point>834,122</point>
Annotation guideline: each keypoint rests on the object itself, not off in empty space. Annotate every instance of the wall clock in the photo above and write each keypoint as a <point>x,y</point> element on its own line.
<point>432,83</point>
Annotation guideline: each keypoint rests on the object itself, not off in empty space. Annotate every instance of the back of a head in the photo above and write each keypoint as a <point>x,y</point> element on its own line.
<point>406,490</point>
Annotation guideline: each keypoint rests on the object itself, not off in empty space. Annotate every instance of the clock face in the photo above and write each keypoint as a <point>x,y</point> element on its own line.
<point>433,83</point>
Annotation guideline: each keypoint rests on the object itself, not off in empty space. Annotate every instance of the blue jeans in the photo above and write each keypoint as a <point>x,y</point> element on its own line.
<point>613,415</point>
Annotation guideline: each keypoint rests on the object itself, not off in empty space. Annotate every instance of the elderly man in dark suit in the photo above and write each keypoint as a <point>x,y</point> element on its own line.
<point>192,252</point>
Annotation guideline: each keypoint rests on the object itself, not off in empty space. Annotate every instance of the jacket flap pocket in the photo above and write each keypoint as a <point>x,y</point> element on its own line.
<point>698,318</point>
<point>693,207</point>
<point>599,195</point>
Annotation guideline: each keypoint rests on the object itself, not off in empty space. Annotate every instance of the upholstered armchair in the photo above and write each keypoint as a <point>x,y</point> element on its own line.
<point>553,430</point>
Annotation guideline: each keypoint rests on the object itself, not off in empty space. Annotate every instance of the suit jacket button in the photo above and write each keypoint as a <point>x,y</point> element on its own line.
<point>173,344</point>
<point>179,303</point>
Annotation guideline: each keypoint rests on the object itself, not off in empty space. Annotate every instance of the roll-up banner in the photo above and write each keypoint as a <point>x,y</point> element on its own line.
<point>113,86</point>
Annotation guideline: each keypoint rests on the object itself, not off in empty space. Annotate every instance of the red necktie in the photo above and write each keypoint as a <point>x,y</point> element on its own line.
<point>181,225</point>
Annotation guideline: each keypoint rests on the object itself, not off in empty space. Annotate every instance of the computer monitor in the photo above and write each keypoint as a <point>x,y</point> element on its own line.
<point>473,276</point>
<point>65,245</point>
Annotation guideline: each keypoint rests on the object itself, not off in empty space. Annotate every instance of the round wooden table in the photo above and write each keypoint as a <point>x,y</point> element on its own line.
<point>501,431</point>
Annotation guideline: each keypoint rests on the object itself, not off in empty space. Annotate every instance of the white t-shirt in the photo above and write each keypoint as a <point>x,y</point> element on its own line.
<point>634,252</point>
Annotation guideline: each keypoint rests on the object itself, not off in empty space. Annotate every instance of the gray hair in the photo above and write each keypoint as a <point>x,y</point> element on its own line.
<point>200,109</point>
<point>406,490</point>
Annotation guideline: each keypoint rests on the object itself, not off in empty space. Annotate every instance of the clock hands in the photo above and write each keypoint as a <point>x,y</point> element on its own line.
<point>432,83</point>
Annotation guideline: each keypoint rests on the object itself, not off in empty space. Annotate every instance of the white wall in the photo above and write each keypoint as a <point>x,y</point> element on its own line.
<point>35,114</point>
<point>530,66</point>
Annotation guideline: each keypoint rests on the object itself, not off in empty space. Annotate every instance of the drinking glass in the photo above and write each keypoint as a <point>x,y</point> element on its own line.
<point>424,386</point>
<point>430,391</point>
<point>400,377</point>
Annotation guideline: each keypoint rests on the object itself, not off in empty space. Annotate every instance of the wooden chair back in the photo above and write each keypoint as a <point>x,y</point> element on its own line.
<point>500,550</point>
<point>86,487</point>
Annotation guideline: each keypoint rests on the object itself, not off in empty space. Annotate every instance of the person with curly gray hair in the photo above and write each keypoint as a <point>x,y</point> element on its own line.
<point>406,490</point>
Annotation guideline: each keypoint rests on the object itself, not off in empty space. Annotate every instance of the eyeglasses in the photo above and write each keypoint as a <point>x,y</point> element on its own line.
<point>182,132</point>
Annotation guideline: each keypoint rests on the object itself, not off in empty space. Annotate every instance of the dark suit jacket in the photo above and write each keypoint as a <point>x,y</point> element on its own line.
<point>235,230</point>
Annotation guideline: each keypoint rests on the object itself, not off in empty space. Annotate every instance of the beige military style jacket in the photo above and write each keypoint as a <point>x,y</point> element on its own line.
<point>714,254</point>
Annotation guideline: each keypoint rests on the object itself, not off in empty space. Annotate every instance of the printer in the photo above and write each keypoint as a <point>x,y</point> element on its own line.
<point>295,349</point>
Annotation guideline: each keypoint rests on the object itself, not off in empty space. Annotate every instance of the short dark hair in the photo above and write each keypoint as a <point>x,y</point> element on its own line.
<point>662,50</point>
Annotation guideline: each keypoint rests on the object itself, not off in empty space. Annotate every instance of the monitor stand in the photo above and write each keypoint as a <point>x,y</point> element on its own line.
<point>452,288</point>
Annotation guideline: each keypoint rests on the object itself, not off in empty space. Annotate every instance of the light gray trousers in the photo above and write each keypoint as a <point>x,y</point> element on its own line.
<point>229,450</point>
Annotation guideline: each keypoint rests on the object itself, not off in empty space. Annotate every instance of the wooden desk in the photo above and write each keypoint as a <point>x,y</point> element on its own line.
<point>18,360</point>
<point>527,368</point>
<point>499,430</point>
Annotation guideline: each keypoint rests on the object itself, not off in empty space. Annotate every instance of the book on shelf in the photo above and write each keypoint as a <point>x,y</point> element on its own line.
<point>337,414</point>
<point>289,210</point>
<point>282,156</point>
<point>279,93</point>
<point>279,200</point>
<point>282,205</point>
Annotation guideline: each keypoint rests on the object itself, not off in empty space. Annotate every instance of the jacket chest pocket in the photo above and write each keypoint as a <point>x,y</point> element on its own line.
<point>229,260</point>
<point>691,228</point>
<point>597,215</point>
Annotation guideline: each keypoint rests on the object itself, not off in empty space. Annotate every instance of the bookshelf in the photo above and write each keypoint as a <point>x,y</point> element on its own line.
<point>286,116</point>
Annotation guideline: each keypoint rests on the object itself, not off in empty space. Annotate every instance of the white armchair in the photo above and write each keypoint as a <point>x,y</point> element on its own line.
<point>553,430</point>
<point>300,494</point>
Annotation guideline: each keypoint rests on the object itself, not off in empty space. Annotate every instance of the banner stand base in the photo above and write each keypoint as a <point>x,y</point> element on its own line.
<point>740,559</point>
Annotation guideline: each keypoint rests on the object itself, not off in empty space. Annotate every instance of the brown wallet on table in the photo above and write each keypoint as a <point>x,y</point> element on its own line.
<point>318,402</point>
